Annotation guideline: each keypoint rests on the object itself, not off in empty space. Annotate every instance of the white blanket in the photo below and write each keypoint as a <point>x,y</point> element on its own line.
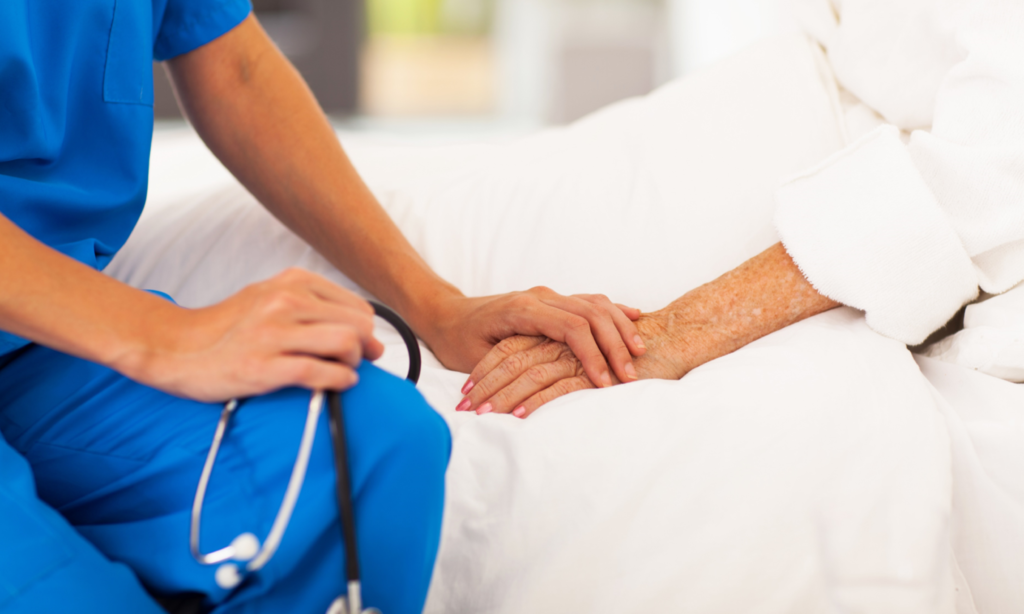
<point>808,472</point>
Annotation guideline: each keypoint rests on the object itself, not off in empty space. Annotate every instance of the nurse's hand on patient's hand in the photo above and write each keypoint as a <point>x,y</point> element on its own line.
<point>764,294</point>
<point>296,329</point>
<point>464,330</point>
<point>523,373</point>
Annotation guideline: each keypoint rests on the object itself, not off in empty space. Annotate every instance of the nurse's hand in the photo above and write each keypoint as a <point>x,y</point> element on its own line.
<point>462,331</point>
<point>296,329</point>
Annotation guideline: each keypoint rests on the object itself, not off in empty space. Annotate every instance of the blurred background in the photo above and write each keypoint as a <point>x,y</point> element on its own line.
<point>492,64</point>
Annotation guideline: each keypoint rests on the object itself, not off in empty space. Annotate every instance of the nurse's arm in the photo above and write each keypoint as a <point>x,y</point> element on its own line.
<point>258,116</point>
<point>295,329</point>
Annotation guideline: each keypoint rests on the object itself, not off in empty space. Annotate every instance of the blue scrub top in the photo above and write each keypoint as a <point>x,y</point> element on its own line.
<point>76,113</point>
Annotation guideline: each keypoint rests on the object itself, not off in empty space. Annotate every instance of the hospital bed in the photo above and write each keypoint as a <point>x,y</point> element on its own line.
<point>821,468</point>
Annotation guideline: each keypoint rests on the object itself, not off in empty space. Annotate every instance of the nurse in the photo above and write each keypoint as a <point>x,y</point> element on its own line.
<point>109,395</point>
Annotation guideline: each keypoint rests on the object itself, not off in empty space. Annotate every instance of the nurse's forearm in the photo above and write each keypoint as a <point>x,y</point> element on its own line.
<point>61,303</point>
<point>255,112</point>
<point>296,329</point>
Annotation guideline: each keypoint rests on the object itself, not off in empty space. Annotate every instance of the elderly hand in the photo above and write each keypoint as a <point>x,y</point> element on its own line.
<point>764,294</point>
<point>465,330</point>
<point>522,373</point>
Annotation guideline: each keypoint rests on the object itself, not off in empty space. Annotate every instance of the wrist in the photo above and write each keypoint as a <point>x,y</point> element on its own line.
<point>142,348</point>
<point>433,310</point>
<point>678,339</point>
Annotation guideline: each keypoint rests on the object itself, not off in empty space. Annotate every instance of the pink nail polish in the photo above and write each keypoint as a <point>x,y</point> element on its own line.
<point>484,409</point>
<point>468,386</point>
<point>464,405</point>
<point>519,411</point>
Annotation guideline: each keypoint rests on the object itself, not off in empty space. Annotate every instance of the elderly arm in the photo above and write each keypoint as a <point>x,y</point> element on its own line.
<point>764,294</point>
<point>256,114</point>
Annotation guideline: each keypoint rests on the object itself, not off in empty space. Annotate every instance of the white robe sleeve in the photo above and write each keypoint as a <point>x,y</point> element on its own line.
<point>908,232</point>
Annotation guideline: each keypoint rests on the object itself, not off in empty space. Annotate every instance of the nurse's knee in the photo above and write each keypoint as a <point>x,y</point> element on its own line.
<point>406,426</point>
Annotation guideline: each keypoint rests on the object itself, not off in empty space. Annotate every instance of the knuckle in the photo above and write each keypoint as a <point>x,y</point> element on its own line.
<point>578,325</point>
<point>281,302</point>
<point>537,375</point>
<point>541,290</point>
<point>523,302</point>
<point>514,364</point>
<point>292,274</point>
<point>505,347</point>
<point>590,312</point>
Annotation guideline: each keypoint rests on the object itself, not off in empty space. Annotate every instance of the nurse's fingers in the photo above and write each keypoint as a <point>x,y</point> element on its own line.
<point>534,380</point>
<point>518,354</point>
<point>322,313</point>
<point>311,373</point>
<point>295,308</point>
<point>322,288</point>
<point>331,341</point>
<point>615,334</point>
<point>558,389</point>
<point>623,318</point>
<point>631,312</point>
<point>571,329</point>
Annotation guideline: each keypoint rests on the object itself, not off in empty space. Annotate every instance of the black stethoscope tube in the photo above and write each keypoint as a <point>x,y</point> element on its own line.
<point>413,346</point>
<point>343,481</point>
<point>343,476</point>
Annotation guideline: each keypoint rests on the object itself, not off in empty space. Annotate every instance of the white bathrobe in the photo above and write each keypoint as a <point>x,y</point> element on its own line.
<point>909,220</point>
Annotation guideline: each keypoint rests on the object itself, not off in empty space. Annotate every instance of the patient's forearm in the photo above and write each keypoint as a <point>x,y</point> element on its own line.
<point>763,295</point>
<point>258,116</point>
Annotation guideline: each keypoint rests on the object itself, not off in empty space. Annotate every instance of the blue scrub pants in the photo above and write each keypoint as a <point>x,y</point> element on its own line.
<point>120,462</point>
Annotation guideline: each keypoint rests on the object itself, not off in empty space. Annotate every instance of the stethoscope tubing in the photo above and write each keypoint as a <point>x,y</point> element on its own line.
<point>346,511</point>
<point>246,547</point>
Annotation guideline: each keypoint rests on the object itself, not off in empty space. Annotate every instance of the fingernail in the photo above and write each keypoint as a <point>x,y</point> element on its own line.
<point>630,370</point>
<point>483,409</point>
<point>639,342</point>
<point>464,405</point>
<point>468,386</point>
<point>519,411</point>
<point>606,380</point>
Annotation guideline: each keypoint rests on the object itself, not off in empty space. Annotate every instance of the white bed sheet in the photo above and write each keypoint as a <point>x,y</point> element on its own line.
<point>811,471</point>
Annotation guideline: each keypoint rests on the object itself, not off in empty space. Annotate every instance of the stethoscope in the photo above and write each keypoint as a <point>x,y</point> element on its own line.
<point>245,554</point>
